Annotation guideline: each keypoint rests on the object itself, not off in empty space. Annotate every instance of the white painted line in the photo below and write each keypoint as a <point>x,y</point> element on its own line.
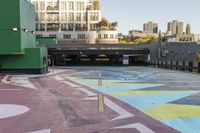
<point>4,80</point>
<point>91,99</point>
<point>58,78</point>
<point>89,93</point>
<point>140,127</point>
<point>71,84</point>
<point>18,80</point>
<point>41,131</point>
<point>122,112</point>
<point>11,110</point>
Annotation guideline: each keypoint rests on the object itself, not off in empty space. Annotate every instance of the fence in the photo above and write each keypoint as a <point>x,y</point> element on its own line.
<point>188,66</point>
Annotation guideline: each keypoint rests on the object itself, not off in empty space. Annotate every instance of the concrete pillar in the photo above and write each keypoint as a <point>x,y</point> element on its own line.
<point>176,65</point>
<point>190,66</point>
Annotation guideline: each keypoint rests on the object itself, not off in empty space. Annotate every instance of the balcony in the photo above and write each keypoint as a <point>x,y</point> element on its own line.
<point>52,8</point>
<point>53,27</point>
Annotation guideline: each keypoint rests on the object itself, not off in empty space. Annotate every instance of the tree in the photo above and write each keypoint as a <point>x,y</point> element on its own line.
<point>188,29</point>
<point>96,5</point>
<point>103,23</point>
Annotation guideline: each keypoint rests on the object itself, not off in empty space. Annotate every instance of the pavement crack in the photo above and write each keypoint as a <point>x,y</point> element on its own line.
<point>56,93</point>
<point>72,117</point>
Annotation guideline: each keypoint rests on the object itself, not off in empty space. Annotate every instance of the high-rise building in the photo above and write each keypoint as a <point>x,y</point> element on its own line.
<point>67,19</point>
<point>150,27</point>
<point>175,27</point>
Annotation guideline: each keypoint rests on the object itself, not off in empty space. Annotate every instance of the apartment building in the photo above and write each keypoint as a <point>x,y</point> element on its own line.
<point>150,27</point>
<point>67,20</point>
<point>175,27</point>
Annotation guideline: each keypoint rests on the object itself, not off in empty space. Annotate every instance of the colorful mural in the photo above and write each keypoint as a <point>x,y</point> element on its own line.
<point>156,93</point>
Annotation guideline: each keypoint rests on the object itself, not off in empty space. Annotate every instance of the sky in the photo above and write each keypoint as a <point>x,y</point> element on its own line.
<point>132,14</point>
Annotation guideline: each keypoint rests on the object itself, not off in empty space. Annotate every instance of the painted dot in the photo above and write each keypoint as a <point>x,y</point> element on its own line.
<point>11,110</point>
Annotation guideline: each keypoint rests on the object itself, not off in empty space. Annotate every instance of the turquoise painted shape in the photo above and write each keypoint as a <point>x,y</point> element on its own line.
<point>148,101</point>
<point>186,125</point>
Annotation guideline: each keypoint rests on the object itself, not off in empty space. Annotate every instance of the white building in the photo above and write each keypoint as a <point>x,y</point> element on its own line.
<point>67,20</point>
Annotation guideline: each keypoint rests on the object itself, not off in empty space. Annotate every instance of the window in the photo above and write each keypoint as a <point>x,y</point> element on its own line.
<point>84,28</point>
<point>63,27</point>
<point>36,16</point>
<point>78,27</point>
<point>52,35</point>
<point>112,36</point>
<point>41,17</point>
<point>63,6</point>
<point>99,36</point>
<point>52,6</point>
<point>71,27</point>
<point>53,26</point>
<point>67,36</point>
<point>42,6</point>
<point>53,17</point>
<point>38,36</point>
<point>42,27</point>
<point>78,16</point>
<point>71,16</point>
<point>94,16</point>
<point>36,27</point>
<point>81,36</point>
<point>36,5</point>
<point>71,5</point>
<point>105,36</point>
<point>84,17</point>
<point>79,6</point>
<point>93,27</point>
<point>64,16</point>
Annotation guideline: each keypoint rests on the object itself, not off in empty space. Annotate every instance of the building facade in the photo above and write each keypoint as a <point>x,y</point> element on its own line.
<point>177,38</point>
<point>67,20</point>
<point>175,27</point>
<point>150,27</point>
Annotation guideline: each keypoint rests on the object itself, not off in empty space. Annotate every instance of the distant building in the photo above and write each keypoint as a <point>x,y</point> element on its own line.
<point>197,37</point>
<point>175,27</point>
<point>150,27</point>
<point>70,21</point>
<point>177,38</point>
<point>107,37</point>
<point>136,34</point>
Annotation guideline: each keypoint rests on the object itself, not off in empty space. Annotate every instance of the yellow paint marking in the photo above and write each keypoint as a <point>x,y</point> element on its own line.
<point>134,93</point>
<point>173,111</point>
<point>10,89</point>
<point>101,103</point>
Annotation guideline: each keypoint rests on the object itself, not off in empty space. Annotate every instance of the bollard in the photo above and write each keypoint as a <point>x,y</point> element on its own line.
<point>99,80</point>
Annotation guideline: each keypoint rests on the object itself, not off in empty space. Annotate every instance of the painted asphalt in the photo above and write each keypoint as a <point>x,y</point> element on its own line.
<point>171,97</point>
<point>135,99</point>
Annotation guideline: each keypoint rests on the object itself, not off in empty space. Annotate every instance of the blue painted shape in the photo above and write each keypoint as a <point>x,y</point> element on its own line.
<point>148,101</point>
<point>187,101</point>
<point>185,125</point>
<point>108,90</point>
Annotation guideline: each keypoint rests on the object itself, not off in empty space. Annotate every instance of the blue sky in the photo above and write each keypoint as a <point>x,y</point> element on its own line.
<point>132,14</point>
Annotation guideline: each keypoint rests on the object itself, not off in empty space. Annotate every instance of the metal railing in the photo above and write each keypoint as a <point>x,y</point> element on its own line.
<point>189,66</point>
